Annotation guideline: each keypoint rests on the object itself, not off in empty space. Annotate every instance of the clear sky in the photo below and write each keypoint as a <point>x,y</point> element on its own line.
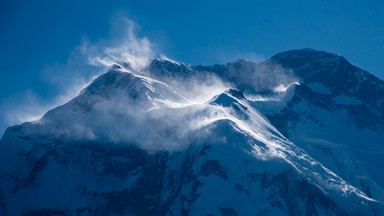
<point>38,38</point>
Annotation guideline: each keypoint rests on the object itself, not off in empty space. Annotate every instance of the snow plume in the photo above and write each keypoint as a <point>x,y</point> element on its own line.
<point>14,108</point>
<point>200,89</point>
<point>85,63</point>
<point>265,81</point>
<point>129,48</point>
<point>283,88</point>
<point>271,76</point>
<point>204,91</point>
<point>125,121</point>
<point>28,106</point>
<point>194,85</point>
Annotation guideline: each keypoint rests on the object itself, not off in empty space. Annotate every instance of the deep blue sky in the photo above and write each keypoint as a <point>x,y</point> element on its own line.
<point>36,35</point>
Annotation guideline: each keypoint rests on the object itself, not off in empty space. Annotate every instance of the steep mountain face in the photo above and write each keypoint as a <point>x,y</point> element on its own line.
<point>336,115</point>
<point>299,134</point>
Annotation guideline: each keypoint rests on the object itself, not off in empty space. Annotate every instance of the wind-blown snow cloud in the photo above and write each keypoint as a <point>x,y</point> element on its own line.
<point>200,90</point>
<point>86,62</point>
<point>129,49</point>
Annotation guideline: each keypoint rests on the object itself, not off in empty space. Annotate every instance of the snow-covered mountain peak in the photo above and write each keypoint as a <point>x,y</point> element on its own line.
<point>130,86</point>
<point>301,57</point>
<point>167,65</point>
<point>330,81</point>
<point>311,65</point>
<point>230,98</point>
<point>281,137</point>
<point>240,63</point>
<point>331,70</point>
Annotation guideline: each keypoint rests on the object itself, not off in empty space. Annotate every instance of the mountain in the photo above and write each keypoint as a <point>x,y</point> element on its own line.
<point>299,134</point>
